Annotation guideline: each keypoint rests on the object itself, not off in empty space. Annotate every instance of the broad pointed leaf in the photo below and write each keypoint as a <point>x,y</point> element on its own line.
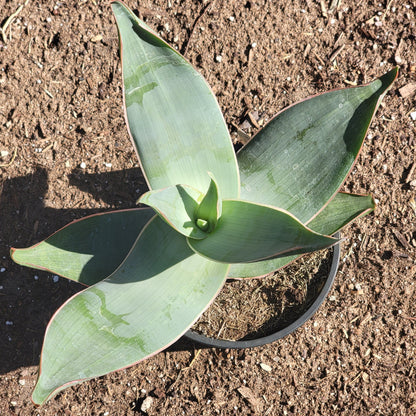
<point>250,232</point>
<point>177,205</point>
<point>343,209</point>
<point>145,305</point>
<point>299,160</point>
<point>173,117</point>
<point>87,250</point>
<point>210,208</point>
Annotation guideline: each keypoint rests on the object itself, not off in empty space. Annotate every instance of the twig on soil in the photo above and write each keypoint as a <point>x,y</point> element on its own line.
<point>412,203</point>
<point>204,11</point>
<point>6,165</point>
<point>319,58</point>
<point>184,370</point>
<point>412,318</point>
<point>334,5</point>
<point>10,19</point>
<point>194,359</point>
<point>48,93</point>
<point>356,378</point>
<point>387,10</point>
<point>348,82</point>
<point>336,52</point>
<point>324,9</point>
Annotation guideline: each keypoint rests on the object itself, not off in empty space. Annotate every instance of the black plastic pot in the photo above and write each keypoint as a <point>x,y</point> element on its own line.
<point>205,341</point>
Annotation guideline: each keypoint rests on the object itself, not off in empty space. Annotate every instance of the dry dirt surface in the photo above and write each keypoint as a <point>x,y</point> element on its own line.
<point>65,153</point>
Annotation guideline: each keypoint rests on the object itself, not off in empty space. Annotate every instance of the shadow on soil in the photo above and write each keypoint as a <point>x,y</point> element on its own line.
<point>28,297</point>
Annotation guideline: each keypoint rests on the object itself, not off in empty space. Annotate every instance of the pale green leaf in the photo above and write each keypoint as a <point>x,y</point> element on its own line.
<point>173,116</point>
<point>87,250</point>
<point>177,205</point>
<point>249,232</point>
<point>145,305</point>
<point>298,161</point>
<point>341,210</point>
<point>210,208</point>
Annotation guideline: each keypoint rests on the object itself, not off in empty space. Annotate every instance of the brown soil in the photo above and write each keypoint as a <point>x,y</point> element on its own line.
<point>249,309</point>
<point>61,105</point>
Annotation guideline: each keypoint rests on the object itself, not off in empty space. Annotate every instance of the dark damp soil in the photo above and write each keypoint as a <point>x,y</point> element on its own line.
<point>65,153</point>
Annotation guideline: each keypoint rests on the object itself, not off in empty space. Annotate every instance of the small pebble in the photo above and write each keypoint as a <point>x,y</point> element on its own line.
<point>9,323</point>
<point>218,58</point>
<point>147,404</point>
<point>22,382</point>
<point>83,165</point>
<point>56,279</point>
<point>108,165</point>
<point>96,38</point>
<point>266,367</point>
<point>36,277</point>
<point>3,269</point>
<point>413,115</point>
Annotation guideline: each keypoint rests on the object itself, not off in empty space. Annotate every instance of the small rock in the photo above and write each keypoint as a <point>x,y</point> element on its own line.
<point>413,115</point>
<point>4,153</point>
<point>218,58</point>
<point>147,404</point>
<point>2,270</point>
<point>83,165</point>
<point>407,90</point>
<point>22,382</point>
<point>56,279</point>
<point>266,367</point>
<point>96,38</point>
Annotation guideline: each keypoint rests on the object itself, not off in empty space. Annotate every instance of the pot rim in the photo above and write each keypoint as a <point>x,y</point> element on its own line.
<point>206,341</point>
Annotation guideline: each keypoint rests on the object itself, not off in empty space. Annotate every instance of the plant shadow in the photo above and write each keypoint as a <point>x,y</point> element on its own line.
<point>28,297</point>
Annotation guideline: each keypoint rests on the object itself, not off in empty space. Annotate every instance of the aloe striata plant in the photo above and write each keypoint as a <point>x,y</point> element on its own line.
<point>151,272</point>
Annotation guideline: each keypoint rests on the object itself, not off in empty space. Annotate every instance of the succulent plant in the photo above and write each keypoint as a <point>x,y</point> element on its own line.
<point>151,272</point>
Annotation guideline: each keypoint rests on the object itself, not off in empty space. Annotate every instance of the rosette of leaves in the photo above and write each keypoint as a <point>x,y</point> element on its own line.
<point>151,272</point>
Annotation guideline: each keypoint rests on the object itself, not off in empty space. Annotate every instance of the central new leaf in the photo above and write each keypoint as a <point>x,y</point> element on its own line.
<point>187,210</point>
